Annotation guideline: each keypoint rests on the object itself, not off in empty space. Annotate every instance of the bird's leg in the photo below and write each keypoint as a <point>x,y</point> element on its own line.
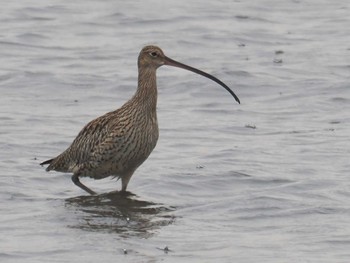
<point>125,180</point>
<point>76,181</point>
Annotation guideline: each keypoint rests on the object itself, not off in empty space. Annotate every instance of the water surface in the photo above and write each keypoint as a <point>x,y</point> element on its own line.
<point>264,180</point>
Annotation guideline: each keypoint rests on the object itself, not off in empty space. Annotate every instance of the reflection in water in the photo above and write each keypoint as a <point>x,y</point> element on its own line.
<point>119,212</point>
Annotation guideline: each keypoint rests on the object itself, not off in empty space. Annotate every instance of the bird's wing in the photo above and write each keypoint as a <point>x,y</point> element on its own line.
<point>102,140</point>
<point>81,149</point>
<point>90,136</point>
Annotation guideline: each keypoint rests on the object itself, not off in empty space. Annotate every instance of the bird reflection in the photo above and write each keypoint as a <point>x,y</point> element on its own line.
<point>119,212</point>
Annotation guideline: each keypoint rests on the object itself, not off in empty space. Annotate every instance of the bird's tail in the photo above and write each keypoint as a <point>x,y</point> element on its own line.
<point>47,162</point>
<point>56,165</point>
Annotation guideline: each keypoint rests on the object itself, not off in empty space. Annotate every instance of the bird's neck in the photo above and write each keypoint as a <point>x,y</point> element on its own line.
<point>146,94</point>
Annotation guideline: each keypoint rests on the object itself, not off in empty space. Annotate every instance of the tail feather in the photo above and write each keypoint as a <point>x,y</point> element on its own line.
<point>47,162</point>
<point>56,164</point>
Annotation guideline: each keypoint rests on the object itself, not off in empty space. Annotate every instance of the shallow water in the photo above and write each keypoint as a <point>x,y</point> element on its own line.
<point>264,180</point>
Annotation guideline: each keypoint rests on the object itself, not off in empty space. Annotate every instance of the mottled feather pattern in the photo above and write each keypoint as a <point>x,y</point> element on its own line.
<point>111,144</point>
<point>117,143</point>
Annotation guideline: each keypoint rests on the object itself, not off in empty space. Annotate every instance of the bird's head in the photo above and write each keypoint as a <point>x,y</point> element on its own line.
<point>152,57</point>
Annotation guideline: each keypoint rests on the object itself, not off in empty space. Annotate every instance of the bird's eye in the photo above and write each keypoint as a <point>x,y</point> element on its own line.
<point>154,54</point>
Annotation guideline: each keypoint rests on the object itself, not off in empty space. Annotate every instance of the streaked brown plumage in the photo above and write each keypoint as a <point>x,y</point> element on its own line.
<point>117,143</point>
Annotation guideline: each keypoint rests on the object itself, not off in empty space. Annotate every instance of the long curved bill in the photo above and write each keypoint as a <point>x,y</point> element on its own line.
<point>171,62</point>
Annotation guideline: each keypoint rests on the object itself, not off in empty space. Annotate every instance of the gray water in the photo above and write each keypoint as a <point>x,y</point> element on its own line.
<point>267,180</point>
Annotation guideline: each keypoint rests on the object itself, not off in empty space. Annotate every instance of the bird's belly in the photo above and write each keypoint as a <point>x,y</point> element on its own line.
<point>129,156</point>
<point>134,155</point>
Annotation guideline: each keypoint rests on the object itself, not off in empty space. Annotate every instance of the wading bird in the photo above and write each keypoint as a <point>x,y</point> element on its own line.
<point>117,143</point>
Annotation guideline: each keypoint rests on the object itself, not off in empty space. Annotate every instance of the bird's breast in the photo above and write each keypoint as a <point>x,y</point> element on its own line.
<point>140,141</point>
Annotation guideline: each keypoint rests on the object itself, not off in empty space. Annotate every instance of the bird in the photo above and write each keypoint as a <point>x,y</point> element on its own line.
<point>118,142</point>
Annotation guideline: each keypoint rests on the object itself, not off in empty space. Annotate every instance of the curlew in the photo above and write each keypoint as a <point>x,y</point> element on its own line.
<point>118,142</point>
